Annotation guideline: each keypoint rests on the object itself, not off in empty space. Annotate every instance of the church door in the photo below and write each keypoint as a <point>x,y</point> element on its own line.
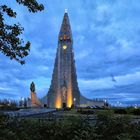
<point>64,105</point>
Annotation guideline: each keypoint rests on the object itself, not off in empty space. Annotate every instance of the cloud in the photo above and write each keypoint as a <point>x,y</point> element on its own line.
<point>106,42</point>
<point>107,83</point>
<point>4,88</point>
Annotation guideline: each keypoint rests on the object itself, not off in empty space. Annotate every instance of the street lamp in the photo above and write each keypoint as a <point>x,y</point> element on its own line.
<point>74,101</point>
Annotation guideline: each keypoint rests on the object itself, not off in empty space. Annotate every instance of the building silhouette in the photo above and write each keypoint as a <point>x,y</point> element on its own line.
<point>64,91</point>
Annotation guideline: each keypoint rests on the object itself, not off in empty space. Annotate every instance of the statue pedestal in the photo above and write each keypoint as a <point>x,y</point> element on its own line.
<point>34,100</point>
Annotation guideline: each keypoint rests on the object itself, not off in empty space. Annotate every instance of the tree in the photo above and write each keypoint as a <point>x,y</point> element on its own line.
<point>11,44</point>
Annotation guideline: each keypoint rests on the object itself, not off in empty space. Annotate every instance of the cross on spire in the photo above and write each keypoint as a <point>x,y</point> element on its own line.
<point>66,10</point>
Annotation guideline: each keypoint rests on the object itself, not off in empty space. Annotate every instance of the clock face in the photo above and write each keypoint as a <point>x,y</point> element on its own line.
<point>64,47</point>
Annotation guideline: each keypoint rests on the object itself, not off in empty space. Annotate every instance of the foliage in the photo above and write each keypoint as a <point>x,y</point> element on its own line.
<point>3,118</point>
<point>10,42</point>
<point>85,111</point>
<point>8,104</point>
<point>135,111</point>
<point>129,110</point>
<point>67,109</point>
<point>120,111</point>
<point>111,127</point>
<point>107,127</point>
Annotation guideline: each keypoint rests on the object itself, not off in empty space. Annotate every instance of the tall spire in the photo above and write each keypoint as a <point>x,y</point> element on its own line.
<point>64,87</point>
<point>66,10</point>
<point>65,31</point>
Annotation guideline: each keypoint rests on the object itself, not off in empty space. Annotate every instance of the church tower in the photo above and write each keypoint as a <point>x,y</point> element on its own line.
<point>64,91</point>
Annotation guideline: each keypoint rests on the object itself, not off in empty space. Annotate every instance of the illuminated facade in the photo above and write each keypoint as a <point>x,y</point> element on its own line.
<point>64,91</point>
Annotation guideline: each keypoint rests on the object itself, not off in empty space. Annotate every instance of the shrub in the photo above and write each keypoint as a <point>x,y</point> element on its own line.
<point>3,118</point>
<point>135,112</point>
<point>67,109</point>
<point>106,127</point>
<point>120,111</point>
<point>85,111</point>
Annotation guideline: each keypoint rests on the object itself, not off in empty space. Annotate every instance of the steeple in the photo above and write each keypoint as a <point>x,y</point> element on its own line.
<point>65,33</point>
<point>64,87</point>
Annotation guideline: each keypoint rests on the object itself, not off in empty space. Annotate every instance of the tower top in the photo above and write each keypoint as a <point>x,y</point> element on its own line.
<point>66,10</point>
<point>65,31</point>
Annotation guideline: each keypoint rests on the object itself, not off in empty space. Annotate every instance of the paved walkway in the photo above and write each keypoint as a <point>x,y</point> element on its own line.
<point>29,112</point>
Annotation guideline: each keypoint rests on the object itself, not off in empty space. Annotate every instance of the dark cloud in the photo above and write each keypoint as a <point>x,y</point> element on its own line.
<point>106,42</point>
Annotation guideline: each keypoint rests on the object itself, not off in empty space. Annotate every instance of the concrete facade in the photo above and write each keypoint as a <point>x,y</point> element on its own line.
<point>64,91</point>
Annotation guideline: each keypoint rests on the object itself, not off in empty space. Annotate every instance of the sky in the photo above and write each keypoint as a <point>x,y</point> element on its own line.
<point>106,48</point>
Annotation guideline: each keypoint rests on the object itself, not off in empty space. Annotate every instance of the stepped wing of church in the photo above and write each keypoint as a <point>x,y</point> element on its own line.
<point>64,91</point>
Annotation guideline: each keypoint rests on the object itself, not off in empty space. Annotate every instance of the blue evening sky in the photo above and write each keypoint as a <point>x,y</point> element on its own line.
<point>106,36</point>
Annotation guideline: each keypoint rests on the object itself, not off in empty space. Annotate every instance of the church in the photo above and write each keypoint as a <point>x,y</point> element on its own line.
<point>64,90</point>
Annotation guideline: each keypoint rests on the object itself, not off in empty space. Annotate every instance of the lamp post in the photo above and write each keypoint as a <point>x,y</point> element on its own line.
<point>74,99</point>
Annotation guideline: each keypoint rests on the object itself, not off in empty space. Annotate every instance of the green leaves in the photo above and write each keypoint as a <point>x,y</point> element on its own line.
<point>107,127</point>
<point>32,5</point>
<point>8,10</point>
<point>11,44</point>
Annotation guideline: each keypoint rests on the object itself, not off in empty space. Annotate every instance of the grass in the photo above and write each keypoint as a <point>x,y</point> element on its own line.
<point>73,128</point>
<point>73,112</point>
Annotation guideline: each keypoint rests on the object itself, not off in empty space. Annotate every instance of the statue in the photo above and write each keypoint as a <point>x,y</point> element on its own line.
<point>35,102</point>
<point>32,87</point>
